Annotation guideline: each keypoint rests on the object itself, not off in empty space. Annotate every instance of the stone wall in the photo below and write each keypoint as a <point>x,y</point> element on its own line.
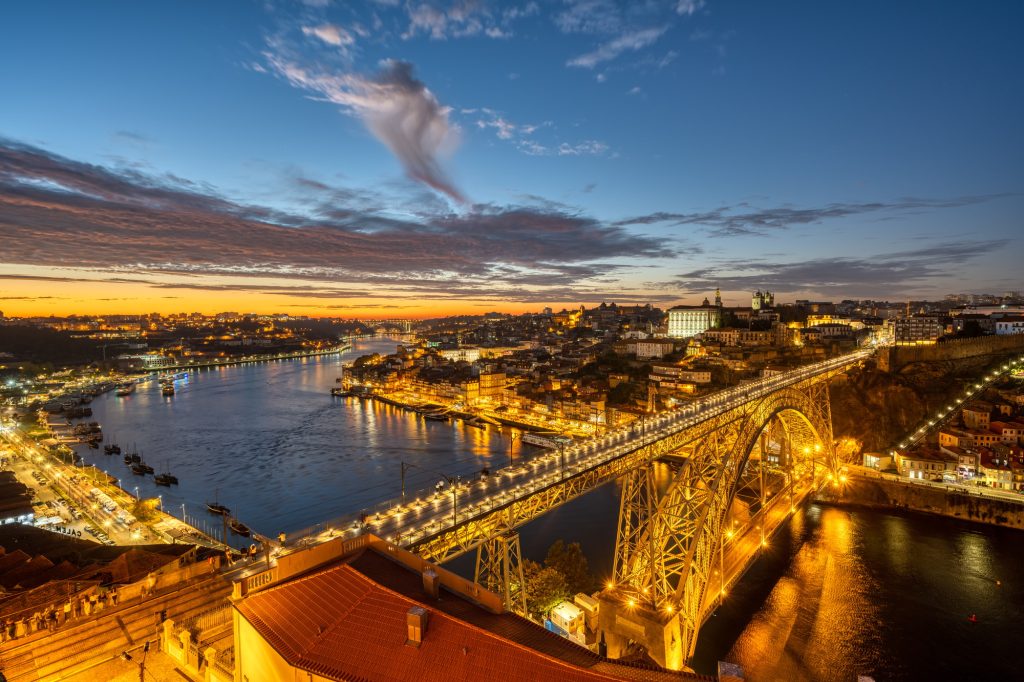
<point>884,493</point>
<point>894,358</point>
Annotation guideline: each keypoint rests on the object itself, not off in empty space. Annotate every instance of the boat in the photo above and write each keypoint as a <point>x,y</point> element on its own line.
<point>112,449</point>
<point>125,389</point>
<point>550,442</point>
<point>339,392</point>
<point>168,389</point>
<point>215,507</point>
<point>140,469</point>
<point>475,423</point>
<point>165,478</point>
<point>238,528</point>
<point>128,459</point>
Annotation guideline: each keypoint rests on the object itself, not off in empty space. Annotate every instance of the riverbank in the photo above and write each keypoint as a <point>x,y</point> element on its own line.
<point>249,359</point>
<point>952,502</point>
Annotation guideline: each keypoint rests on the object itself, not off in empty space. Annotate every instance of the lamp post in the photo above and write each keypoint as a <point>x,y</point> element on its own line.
<point>511,440</point>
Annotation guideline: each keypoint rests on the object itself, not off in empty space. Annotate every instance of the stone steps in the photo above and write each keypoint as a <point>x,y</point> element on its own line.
<point>108,633</point>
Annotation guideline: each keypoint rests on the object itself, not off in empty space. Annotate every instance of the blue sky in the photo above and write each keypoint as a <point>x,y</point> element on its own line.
<point>508,155</point>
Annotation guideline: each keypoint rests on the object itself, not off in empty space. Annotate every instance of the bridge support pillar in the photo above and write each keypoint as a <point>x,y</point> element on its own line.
<point>499,568</point>
<point>622,621</point>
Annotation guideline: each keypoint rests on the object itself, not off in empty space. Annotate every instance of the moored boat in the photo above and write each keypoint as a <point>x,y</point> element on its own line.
<point>238,528</point>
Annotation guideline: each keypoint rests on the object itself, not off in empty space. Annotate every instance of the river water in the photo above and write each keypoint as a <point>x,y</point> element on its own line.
<point>838,593</point>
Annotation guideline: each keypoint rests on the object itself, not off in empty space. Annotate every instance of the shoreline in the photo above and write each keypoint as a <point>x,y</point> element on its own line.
<point>336,350</point>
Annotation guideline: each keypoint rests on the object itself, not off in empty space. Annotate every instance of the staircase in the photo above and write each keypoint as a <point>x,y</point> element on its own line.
<point>86,642</point>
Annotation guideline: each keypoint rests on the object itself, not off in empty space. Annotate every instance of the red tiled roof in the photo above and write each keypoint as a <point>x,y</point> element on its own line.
<point>342,625</point>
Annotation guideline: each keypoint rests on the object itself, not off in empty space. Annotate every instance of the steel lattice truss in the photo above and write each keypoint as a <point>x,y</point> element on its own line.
<point>499,568</point>
<point>666,549</point>
<point>475,529</point>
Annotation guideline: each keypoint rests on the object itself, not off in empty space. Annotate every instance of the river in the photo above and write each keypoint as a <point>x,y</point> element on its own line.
<point>838,593</point>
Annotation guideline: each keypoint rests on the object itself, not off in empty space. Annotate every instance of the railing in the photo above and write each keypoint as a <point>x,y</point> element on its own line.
<point>587,455</point>
<point>207,620</point>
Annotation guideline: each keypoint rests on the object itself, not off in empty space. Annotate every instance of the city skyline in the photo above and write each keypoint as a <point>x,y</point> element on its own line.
<point>416,160</point>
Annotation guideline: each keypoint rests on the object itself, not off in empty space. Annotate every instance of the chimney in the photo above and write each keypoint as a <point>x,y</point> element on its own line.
<point>416,626</point>
<point>431,583</point>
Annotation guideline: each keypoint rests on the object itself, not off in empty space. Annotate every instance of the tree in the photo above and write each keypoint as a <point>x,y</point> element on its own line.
<point>571,563</point>
<point>545,588</point>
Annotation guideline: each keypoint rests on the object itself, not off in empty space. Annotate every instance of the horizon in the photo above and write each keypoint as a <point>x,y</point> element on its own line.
<point>387,160</point>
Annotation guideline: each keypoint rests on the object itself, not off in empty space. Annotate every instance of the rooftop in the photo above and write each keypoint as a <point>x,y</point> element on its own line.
<point>349,622</point>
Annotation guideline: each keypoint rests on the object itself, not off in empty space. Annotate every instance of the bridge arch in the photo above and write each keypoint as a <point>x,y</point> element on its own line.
<point>669,562</point>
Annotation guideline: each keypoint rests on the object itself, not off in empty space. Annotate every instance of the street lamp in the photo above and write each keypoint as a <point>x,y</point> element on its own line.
<point>136,492</point>
<point>511,440</point>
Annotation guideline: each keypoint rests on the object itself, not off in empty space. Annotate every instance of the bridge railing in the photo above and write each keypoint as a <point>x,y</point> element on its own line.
<point>352,523</point>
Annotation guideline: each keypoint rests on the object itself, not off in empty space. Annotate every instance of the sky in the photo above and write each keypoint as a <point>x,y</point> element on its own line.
<point>416,158</point>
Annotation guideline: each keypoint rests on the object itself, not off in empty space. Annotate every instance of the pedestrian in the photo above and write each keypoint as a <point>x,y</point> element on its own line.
<point>67,611</point>
<point>3,631</point>
<point>113,596</point>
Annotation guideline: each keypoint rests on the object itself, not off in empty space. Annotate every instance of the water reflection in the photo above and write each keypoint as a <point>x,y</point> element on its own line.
<point>268,441</point>
<point>869,593</point>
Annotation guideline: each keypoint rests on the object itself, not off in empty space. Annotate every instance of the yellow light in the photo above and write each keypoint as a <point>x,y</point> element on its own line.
<point>631,602</point>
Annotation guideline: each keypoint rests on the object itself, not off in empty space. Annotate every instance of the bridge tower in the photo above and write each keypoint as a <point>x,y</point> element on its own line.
<point>499,568</point>
<point>731,485</point>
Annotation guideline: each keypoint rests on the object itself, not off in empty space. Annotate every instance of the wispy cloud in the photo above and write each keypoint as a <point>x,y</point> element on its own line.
<point>742,219</point>
<point>463,18</point>
<point>143,228</point>
<point>332,34</point>
<point>886,274</point>
<point>631,41</point>
<point>396,107</point>
<point>522,136</point>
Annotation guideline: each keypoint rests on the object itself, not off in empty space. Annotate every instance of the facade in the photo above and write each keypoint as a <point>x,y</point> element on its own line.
<point>1010,325</point>
<point>760,301</point>
<point>647,349</point>
<point>685,321</point>
<point>916,329</point>
<point>976,414</point>
<point>924,464</point>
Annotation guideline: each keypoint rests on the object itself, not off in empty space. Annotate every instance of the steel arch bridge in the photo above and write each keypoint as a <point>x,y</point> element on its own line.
<point>670,570</point>
<point>741,456</point>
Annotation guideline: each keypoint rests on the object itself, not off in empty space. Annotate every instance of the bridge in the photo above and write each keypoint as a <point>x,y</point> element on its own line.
<point>742,460</point>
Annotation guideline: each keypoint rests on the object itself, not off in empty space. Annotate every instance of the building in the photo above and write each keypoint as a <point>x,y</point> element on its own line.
<point>761,301</point>
<point>685,321</point>
<point>364,609</point>
<point>916,329</point>
<point>647,349</point>
<point>1010,325</point>
<point>977,414</point>
<point>925,464</point>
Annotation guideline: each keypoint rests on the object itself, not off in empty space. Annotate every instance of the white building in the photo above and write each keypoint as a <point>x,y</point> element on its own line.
<point>685,321</point>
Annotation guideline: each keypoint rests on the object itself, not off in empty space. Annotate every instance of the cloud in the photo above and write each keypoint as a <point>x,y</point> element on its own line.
<point>332,34</point>
<point>630,41</point>
<point>739,220</point>
<point>589,16</point>
<point>57,212</point>
<point>463,18</point>
<point>396,107</point>
<point>886,274</point>
<point>688,7</point>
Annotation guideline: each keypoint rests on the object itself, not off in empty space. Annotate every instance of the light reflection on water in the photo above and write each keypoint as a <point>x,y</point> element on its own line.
<point>870,593</point>
<point>838,593</point>
<point>269,441</point>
